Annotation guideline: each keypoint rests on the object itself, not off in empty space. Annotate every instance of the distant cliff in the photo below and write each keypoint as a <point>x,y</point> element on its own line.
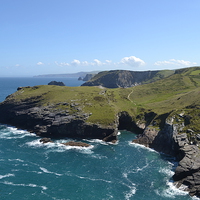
<point>125,78</point>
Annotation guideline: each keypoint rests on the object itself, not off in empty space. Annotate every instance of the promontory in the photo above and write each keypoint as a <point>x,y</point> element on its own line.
<point>163,109</point>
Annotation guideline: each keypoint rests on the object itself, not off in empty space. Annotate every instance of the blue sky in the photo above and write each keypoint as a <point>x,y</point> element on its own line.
<point>65,36</point>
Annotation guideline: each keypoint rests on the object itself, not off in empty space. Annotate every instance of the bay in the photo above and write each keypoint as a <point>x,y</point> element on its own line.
<point>31,170</point>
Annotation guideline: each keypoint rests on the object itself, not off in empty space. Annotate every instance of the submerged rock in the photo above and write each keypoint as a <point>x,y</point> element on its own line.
<point>78,144</point>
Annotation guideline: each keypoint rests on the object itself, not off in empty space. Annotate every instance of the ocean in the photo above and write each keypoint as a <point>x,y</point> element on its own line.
<point>104,171</point>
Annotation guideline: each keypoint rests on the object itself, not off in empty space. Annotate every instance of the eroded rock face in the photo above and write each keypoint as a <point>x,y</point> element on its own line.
<point>170,141</point>
<point>49,121</point>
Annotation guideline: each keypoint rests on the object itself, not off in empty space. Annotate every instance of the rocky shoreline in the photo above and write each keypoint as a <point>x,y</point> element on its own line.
<point>171,142</point>
<point>53,121</point>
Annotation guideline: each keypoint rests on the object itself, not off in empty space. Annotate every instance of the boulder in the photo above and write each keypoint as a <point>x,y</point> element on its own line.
<point>45,140</point>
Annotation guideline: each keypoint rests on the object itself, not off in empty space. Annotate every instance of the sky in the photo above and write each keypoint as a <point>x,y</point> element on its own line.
<point>67,36</point>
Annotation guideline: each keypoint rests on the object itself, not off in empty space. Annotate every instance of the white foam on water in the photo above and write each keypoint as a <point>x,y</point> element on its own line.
<point>57,146</point>
<point>171,192</point>
<point>98,141</point>
<point>49,172</point>
<point>6,175</point>
<point>167,171</point>
<point>98,156</point>
<point>14,133</point>
<point>195,198</point>
<point>93,179</point>
<point>24,185</point>
<point>131,193</point>
<point>35,143</point>
<point>141,146</point>
<point>18,160</point>
<point>130,185</point>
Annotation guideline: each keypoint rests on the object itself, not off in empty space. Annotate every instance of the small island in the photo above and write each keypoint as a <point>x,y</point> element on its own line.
<point>163,108</point>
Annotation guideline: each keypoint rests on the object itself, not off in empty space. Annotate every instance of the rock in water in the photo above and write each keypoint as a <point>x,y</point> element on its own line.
<point>45,140</point>
<point>56,83</point>
<point>78,144</point>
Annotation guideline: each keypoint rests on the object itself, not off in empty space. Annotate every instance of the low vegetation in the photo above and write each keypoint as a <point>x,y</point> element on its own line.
<point>176,93</point>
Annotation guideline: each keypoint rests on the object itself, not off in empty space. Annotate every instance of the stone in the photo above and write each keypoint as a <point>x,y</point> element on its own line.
<point>45,140</point>
<point>78,144</point>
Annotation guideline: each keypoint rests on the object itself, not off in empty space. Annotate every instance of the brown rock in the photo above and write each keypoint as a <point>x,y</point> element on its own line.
<point>78,144</point>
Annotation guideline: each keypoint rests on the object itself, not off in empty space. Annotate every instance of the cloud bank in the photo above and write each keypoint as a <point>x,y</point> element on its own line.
<point>175,62</point>
<point>131,61</point>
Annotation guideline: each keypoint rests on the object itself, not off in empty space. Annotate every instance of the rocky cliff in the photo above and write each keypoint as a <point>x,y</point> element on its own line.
<point>170,140</point>
<point>164,113</point>
<point>125,78</point>
<point>63,119</point>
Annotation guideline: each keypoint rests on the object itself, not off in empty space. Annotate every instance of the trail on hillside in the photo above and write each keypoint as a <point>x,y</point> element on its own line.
<point>128,97</point>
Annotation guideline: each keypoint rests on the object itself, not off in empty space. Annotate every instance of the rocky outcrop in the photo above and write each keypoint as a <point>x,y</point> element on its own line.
<point>52,121</point>
<point>88,77</point>
<point>56,83</point>
<point>170,141</point>
<point>188,170</point>
<point>46,140</point>
<point>123,78</point>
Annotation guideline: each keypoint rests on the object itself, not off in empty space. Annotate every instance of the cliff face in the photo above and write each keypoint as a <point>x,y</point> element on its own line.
<point>165,113</point>
<point>124,78</point>
<point>170,141</point>
<point>51,120</point>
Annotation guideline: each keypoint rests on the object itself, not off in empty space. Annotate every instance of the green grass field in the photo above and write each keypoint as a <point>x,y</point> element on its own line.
<point>179,92</point>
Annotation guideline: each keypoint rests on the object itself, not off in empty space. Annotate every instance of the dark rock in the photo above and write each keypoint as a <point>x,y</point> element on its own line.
<point>45,140</point>
<point>111,138</point>
<point>121,78</point>
<point>56,83</point>
<point>78,144</point>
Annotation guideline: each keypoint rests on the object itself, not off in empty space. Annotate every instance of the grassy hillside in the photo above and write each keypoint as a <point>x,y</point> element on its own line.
<point>175,94</point>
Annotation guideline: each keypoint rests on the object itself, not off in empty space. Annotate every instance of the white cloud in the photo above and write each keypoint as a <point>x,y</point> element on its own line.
<point>75,62</point>
<point>132,61</point>
<point>175,62</point>
<point>17,65</point>
<point>97,62</point>
<point>40,63</point>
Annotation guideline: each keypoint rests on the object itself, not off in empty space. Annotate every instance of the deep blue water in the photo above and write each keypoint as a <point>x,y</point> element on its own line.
<point>123,171</point>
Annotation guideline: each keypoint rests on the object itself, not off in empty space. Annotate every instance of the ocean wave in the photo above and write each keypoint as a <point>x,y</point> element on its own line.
<point>94,179</point>
<point>57,146</point>
<point>6,175</point>
<point>171,192</point>
<point>25,185</point>
<point>49,172</point>
<point>14,133</point>
<point>98,141</point>
<point>140,146</point>
<point>167,171</point>
<point>18,160</point>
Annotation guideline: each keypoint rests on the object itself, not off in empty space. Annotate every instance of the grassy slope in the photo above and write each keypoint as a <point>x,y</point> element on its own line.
<point>179,92</point>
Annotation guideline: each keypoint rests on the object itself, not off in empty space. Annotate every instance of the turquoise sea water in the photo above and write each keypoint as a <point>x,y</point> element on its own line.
<point>122,171</point>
